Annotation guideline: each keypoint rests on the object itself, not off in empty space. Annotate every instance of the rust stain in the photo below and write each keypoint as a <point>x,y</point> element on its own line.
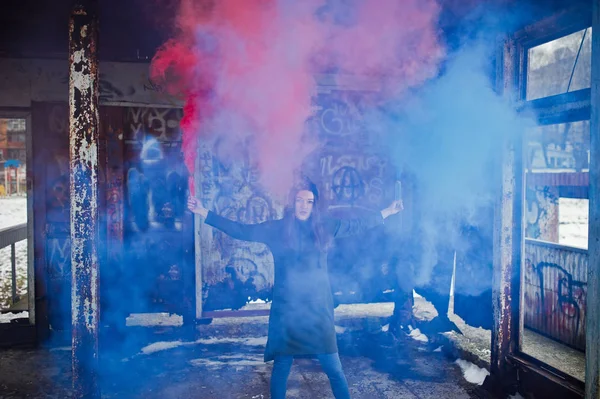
<point>503,308</point>
<point>507,229</point>
<point>555,291</point>
<point>83,143</point>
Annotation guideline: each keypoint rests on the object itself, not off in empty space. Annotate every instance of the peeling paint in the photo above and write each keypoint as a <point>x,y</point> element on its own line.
<point>507,237</point>
<point>83,143</point>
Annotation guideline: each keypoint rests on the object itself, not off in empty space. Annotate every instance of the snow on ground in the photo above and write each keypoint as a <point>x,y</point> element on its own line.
<point>153,319</point>
<point>573,222</point>
<point>7,317</point>
<point>161,346</point>
<point>13,211</point>
<point>235,361</point>
<point>474,340</point>
<point>417,335</point>
<point>256,302</point>
<point>340,329</point>
<point>61,349</point>
<point>166,345</point>
<point>472,373</point>
<point>248,341</point>
<point>423,309</point>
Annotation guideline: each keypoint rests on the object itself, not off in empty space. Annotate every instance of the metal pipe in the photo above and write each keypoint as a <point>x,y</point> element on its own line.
<point>13,266</point>
<point>83,144</point>
<point>18,180</point>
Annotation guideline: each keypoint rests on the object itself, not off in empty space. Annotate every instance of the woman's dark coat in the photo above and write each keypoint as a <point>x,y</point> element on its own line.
<point>301,320</point>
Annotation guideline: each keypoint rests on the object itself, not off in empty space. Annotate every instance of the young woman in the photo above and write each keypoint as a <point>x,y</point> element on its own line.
<point>301,319</point>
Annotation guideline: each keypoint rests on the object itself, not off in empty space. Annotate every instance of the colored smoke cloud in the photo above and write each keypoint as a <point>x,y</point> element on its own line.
<point>450,133</point>
<point>247,67</point>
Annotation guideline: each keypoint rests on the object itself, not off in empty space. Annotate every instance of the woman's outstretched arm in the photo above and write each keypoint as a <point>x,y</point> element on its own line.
<point>247,232</point>
<point>348,227</point>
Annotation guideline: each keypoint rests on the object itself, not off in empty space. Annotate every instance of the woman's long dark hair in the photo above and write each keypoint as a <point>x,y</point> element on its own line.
<point>318,233</point>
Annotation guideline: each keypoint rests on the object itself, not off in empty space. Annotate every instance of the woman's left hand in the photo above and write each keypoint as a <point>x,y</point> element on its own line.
<point>393,209</point>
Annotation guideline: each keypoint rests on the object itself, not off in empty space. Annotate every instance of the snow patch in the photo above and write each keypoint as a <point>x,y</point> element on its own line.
<point>256,302</point>
<point>472,373</point>
<point>423,309</point>
<point>417,335</point>
<point>13,211</point>
<point>251,341</point>
<point>61,349</point>
<point>340,329</point>
<point>153,319</point>
<point>166,345</point>
<point>8,317</point>
<point>161,346</point>
<point>228,361</point>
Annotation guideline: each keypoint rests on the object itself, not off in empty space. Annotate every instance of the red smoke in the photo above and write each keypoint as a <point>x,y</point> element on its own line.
<point>395,39</point>
<point>246,67</point>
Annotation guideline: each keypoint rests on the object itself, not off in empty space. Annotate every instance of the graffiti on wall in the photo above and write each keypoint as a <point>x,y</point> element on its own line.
<point>55,151</point>
<point>350,170</point>
<point>229,185</point>
<point>357,178</point>
<point>556,293</point>
<point>59,257</point>
<point>155,191</point>
<point>354,177</point>
<point>339,115</point>
<point>57,163</point>
<point>156,179</point>
<point>161,124</point>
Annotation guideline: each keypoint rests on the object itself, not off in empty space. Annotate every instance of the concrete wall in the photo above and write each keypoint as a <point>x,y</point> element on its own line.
<point>24,81</point>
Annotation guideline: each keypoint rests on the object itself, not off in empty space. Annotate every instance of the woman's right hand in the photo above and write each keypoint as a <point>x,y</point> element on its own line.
<point>195,206</point>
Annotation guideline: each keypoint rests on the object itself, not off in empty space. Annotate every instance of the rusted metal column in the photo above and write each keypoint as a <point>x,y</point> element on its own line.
<point>592,322</point>
<point>507,231</point>
<point>83,144</point>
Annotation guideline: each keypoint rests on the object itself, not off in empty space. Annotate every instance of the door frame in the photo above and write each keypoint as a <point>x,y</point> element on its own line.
<point>19,336</point>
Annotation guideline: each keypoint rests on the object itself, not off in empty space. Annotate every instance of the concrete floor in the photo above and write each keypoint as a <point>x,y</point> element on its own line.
<point>224,360</point>
<point>555,354</point>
